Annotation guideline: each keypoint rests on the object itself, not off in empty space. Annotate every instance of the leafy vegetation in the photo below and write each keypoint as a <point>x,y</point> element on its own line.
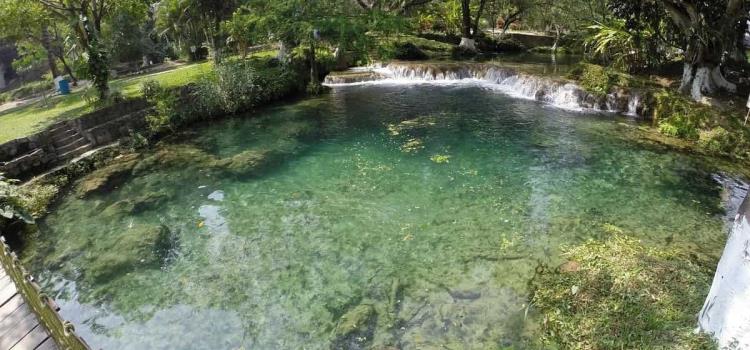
<point>622,294</point>
<point>234,86</point>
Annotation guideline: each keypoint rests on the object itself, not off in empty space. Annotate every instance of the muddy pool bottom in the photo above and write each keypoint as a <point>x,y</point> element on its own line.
<point>373,217</point>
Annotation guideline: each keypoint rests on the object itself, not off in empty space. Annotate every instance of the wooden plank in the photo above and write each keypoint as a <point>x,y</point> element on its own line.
<point>8,292</point>
<point>14,303</point>
<point>36,337</point>
<point>14,318</point>
<point>18,331</point>
<point>5,281</point>
<point>48,344</point>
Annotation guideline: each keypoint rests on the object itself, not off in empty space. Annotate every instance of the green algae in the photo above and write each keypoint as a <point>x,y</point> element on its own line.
<point>335,219</point>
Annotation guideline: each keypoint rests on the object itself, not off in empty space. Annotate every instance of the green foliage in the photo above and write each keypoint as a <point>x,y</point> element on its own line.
<point>622,294</point>
<point>150,89</point>
<point>677,116</point>
<point>716,141</point>
<point>36,198</point>
<point>614,45</point>
<point>234,86</point>
<point>11,201</point>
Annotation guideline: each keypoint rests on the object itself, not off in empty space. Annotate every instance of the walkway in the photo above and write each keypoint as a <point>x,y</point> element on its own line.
<point>19,326</point>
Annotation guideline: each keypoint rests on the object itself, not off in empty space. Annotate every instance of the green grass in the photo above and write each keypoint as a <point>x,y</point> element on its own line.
<point>25,120</point>
<point>623,294</point>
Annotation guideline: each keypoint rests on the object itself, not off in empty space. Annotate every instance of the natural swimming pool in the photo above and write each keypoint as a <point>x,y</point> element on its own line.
<point>418,211</point>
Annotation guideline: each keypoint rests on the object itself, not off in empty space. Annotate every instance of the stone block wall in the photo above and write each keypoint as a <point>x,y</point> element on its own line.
<point>29,156</point>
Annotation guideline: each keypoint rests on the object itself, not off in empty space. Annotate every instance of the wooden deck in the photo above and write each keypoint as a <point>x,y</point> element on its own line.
<point>19,327</point>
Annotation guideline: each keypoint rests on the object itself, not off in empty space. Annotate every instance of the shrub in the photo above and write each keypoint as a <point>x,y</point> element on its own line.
<point>233,87</point>
<point>717,141</point>
<point>11,201</point>
<point>621,294</point>
<point>150,89</point>
<point>679,117</point>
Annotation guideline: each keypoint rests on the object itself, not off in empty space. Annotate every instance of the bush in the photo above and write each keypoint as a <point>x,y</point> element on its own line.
<point>233,87</point>
<point>599,80</point>
<point>716,141</point>
<point>11,201</point>
<point>621,294</point>
<point>679,117</point>
<point>150,89</point>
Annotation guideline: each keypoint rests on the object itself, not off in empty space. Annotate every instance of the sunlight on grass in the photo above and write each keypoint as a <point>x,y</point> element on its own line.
<point>26,120</point>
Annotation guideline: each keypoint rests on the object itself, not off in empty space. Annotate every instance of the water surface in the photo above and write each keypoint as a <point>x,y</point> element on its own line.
<point>430,205</point>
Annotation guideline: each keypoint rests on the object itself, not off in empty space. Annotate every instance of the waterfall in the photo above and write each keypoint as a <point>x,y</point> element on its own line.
<point>554,91</point>
<point>633,103</point>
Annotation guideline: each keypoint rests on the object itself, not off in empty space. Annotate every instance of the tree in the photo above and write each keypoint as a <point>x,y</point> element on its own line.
<point>709,32</point>
<point>469,26</point>
<point>27,23</point>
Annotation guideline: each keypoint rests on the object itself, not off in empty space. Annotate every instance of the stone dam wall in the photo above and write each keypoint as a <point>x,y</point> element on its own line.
<point>63,141</point>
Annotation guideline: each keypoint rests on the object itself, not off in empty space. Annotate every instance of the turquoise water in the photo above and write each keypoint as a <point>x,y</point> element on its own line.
<point>417,213</point>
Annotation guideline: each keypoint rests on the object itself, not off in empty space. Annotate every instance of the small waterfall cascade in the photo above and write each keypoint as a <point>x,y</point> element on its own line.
<point>634,102</point>
<point>554,91</point>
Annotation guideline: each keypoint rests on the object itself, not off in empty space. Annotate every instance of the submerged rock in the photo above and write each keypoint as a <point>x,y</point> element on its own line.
<point>147,201</point>
<point>355,328</point>
<point>246,163</point>
<point>137,247</point>
<point>174,155</point>
<point>108,177</point>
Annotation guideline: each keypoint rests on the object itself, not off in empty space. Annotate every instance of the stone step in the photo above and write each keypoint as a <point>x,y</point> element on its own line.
<point>75,152</point>
<point>63,140</point>
<point>73,144</point>
<point>62,134</point>
<point>63,126</point>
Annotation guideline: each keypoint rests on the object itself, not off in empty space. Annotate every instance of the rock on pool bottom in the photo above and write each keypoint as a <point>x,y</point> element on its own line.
<point>375,216</point>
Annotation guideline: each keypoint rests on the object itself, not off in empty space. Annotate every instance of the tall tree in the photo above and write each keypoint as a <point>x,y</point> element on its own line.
<point>710,32</point>
<point>469,24</point>
<point>86,18</point>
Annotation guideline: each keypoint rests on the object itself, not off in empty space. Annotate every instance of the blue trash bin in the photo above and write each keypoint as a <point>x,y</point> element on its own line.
<point>64,86</point>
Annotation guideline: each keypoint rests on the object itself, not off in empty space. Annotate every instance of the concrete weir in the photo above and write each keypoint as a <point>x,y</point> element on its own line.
<point>726,312</point>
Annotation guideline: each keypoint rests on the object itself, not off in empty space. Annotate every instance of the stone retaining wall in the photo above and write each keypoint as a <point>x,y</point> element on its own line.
<point>28,156</point>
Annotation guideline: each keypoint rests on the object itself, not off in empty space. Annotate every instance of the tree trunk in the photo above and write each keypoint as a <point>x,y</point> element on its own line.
<point>313,66</point>
<point>703,78</point>
<point>285,52</point>
<point>68,71</point>
<point>47,45</point>
<point>2,76</point>
<point>467,37</point>
<point>478,16</point>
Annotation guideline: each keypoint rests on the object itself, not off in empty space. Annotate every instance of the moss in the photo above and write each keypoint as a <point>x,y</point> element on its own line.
<point>621,294</point>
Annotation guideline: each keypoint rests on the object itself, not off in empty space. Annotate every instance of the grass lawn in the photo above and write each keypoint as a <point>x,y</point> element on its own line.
<point>26,120</point>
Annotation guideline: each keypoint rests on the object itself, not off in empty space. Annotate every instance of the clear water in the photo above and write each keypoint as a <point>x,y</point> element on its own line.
<point>432,204</point>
